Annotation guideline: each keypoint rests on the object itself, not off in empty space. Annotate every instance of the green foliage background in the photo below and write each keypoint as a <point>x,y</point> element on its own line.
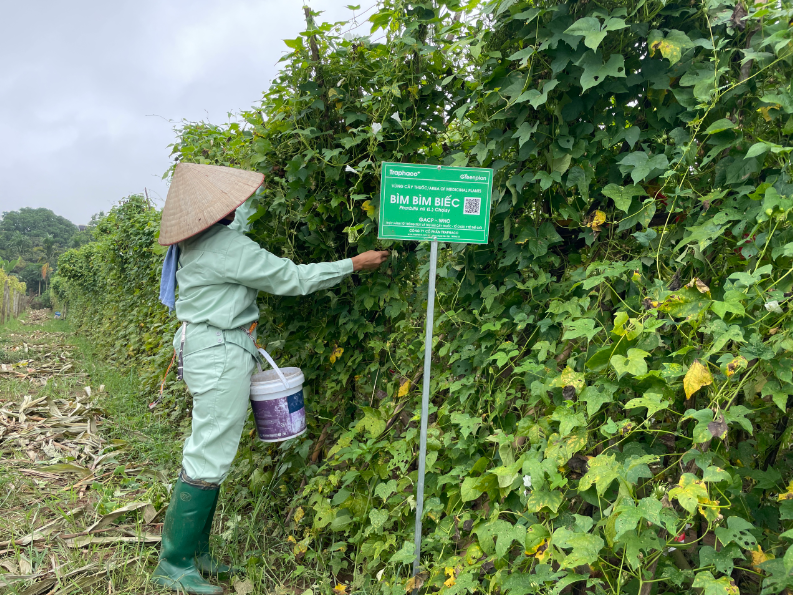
<point>613,371</point>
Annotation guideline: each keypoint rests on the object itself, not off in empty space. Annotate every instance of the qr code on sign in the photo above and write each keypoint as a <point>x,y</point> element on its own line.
<point>471,206</point>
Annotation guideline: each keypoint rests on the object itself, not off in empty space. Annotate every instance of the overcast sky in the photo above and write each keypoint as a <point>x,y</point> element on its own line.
<point>90,90</point>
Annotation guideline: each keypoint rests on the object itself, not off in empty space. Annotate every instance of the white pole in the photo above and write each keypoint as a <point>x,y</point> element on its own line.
<point>425,404</point>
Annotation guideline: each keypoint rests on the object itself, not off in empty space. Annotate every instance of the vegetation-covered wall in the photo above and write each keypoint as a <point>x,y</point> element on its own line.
<point>614,370</point>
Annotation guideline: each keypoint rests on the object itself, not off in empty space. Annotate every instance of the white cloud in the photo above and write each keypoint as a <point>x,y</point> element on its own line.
<point>87,89</point>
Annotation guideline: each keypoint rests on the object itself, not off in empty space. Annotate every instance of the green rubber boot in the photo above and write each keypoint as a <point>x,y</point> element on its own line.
<point>204,561</point>
<point>185,520</point>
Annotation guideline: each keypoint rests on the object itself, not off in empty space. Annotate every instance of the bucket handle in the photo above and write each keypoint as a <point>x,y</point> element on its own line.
<point>271,361</point>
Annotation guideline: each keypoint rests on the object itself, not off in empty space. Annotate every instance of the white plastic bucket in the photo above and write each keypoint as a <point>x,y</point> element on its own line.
<point>277,402</point>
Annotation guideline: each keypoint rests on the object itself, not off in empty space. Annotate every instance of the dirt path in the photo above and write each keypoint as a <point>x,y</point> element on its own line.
<point>80,508</point>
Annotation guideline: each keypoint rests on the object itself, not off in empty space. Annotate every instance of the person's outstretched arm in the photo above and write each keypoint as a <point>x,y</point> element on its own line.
<point>250,265</point>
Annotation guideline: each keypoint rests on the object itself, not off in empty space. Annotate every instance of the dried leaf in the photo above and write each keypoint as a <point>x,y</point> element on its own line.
<point>67,468</point>
<point>718,428</point>
<point>416,582</point>
<point>150,513</point>
<point>701,287</point>
<point>84,540</point>
<point>25,567</point>
<point>110,517</point>
<point>243,587</point>
<point>404,387</point>
<point>9,565</point>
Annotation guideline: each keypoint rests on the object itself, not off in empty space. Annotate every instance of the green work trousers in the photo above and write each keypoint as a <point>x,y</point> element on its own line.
<point>219,378</point>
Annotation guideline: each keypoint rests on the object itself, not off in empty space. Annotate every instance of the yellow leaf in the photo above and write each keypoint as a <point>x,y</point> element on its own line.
<point>735,365</point>
<point>669,50</point>
<point>472,554</point>
<point>291,539</point>
<point>709,509</point>
<point>404,387</point>
<point>569,377</point>
<point>764,111</point>
<point>340,588</point>
<point>538,551</point>
<point>690,492</point>
<point>299,514</point>
<point>336,354</point>
<point>450,573</point>
<point>788,495</point>
<point>696,377</point>
<point>369,208</point>
<point>598,219</point>
<point>758,557</point>
<point>542,551</point>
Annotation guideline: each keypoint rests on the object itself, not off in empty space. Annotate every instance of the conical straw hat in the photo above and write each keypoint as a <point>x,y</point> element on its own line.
<point>202,195</point>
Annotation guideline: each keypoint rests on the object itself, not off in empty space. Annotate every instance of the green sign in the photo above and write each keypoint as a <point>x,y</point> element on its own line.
<point>434,202</point>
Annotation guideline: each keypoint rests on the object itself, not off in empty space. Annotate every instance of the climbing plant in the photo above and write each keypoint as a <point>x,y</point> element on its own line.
<point>613,371</point>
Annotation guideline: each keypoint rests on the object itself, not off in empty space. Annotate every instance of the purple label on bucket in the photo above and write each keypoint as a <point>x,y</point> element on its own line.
<point>280,419</point>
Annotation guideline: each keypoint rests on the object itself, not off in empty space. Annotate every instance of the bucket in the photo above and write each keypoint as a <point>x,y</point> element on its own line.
<point>277,402</point>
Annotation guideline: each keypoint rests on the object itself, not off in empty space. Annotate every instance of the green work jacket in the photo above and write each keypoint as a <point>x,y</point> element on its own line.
<point>221,273</point>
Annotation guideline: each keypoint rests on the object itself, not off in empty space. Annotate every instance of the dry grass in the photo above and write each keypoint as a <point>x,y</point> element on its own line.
<point>80,512</point>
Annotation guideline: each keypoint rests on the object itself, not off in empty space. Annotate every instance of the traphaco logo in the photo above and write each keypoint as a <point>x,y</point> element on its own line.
<point>401,172</point>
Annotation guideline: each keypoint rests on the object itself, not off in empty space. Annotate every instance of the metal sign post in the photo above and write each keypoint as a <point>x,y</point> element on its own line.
<point>432,202</point>
<point>425,402</point>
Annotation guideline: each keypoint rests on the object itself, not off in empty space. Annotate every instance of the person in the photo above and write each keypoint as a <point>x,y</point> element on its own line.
<point>220,273</point>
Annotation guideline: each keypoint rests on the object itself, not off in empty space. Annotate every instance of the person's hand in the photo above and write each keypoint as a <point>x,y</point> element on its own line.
<point>369,261</point>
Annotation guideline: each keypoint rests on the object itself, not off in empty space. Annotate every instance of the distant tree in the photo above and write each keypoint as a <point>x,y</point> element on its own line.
<point>24,230</point>
<point>36,224</point>
<point>31,276</point>
<point>18,243</point>
<point>49,247</point>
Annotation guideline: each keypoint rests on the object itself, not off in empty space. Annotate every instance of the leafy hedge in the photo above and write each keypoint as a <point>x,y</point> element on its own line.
<point>613,371</point>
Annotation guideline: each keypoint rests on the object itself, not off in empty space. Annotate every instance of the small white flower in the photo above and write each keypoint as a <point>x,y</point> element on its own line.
<point>380,574</point>
<point>527,480</point>
<point>396,117</point>
<point>348,168</point>
<point>773,307</point>
<point>376,127</point>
